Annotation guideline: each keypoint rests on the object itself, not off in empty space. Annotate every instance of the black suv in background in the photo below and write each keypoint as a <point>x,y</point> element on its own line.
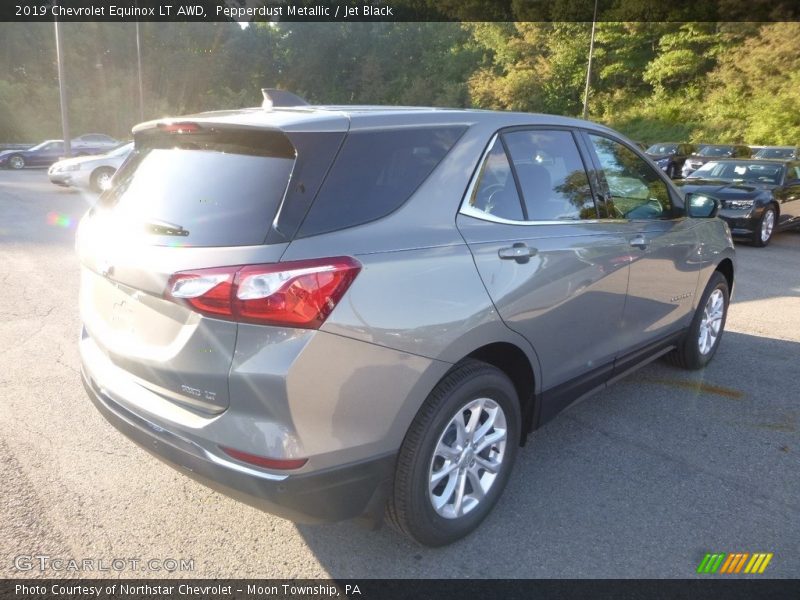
<point>712,151</point>
<point>779,152</point>
<point>670,156</point>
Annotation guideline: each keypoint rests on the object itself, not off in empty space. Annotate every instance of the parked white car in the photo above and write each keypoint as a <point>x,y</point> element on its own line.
<point>89,172</point>
<point>92,143</point>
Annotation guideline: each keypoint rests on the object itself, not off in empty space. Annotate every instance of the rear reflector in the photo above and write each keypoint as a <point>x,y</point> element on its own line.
<point>291,294</point>
<point>263,461</point>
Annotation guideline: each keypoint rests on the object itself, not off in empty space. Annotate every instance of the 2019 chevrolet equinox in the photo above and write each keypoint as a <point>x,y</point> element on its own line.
<point>331,312</point>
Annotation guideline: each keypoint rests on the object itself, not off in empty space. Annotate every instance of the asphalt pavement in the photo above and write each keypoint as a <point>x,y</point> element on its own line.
<point>639,481</point>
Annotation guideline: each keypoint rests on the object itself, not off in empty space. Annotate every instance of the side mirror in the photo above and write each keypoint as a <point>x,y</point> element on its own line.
<point>702,207</point>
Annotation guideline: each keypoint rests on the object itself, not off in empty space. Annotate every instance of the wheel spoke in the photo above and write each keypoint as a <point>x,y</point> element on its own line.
<point>477,487</point>
<point>491,466</point>
<point>458,503</point>
<point>474,418</point>
<point>494,438</point>
<point>486,427</point>
<point>439,502</point>
<point>437,476</point>
<point>447,452</point>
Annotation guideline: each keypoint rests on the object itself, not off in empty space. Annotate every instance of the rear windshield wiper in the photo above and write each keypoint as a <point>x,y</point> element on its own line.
<point>157,227</point>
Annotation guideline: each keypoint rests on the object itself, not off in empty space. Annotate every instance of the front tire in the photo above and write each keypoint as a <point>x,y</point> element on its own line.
<point>101,179</point>
<point>766,227</point>
<point>457,455</point>
<point>702,340</point>
<point>16,162</point>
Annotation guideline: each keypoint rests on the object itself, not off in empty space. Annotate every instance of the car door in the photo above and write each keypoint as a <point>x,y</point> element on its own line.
<point>788,195</point>
<point>48,155</point>
<point>644,208</point>
<point>555,272</point>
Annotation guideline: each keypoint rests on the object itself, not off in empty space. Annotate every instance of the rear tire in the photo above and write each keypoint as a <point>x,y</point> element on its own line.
<point>457,455</point>
<point>766,227</point>
<point>702,339</point>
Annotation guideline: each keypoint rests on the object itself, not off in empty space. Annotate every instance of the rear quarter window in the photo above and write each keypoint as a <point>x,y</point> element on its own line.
<point>374,174</point>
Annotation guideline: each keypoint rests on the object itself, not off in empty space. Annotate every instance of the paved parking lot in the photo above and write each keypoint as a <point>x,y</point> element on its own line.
<point>640,481</point>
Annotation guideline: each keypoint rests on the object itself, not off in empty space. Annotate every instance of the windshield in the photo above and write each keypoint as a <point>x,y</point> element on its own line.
<point>121,150</point>
<point>775,153</point>
<point>662,149</point>
<point>740,171</point>
<point>716,151</point>
<point>47,144</point>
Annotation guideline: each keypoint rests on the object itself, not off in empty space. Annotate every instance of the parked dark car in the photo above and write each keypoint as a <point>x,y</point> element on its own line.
<point>42,155</point>
<point>670,156</point>
<point>758,197</point>
<point>779,152</point>
<point>712,152</point>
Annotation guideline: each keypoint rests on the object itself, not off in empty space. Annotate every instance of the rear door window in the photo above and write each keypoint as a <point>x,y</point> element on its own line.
<point>551,175</point>
<point>202,189</point>
<point>374,174</point>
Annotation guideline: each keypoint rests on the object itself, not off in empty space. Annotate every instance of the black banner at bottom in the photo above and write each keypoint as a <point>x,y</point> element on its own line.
<point>399,589</point>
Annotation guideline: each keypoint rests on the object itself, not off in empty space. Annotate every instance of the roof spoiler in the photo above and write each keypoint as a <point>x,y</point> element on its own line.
<point>280,98</point>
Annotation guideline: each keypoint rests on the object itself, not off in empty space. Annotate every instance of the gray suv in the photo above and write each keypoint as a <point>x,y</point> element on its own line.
<point>334,312</point>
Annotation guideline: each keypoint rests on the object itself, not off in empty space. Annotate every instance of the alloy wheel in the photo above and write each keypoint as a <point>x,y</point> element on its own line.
<point>467,458</point>
<point>767,225</point>
<point>711,322</point>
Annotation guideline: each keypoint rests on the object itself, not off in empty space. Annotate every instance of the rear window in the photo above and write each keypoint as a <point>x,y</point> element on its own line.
<point>374,173</point>
<point>202,189</point>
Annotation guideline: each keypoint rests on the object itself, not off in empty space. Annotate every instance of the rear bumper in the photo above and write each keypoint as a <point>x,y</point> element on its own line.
<point>329,495</point>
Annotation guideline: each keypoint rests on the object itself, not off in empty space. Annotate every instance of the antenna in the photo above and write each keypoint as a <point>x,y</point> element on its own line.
<point>280,98</point>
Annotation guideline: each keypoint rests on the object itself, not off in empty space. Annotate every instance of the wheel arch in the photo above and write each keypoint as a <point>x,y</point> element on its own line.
<point>725,266</point>
<point>516,364</point>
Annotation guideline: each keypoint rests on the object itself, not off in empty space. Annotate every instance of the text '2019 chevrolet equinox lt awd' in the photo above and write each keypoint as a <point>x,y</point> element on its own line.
<point>331,312</point>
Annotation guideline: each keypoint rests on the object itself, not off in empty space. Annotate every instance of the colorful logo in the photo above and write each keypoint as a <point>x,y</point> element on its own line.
<point>737,562</point>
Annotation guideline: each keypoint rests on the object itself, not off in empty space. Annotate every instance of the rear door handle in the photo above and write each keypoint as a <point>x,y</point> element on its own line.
<point>639,241</point>
<point>519,252</point>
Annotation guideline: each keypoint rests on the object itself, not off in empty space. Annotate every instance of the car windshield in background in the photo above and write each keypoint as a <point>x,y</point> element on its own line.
<point>715,151</point>
<point>740,171</point>
<point>121,150</point>
<point>775,153</point>
<point>662,149</point>
<point>201,190</point>
<point>48,145</point>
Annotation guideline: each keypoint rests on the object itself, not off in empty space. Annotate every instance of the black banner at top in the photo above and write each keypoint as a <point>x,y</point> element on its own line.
<point>344,11</point>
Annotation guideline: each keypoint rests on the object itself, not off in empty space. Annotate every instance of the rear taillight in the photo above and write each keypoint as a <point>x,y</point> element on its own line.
<point>291,294</point>
<point>173,127</point>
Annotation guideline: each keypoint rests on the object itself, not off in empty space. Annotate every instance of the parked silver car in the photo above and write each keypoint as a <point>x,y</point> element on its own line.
<point>89,172</point>
<point>332,312</point>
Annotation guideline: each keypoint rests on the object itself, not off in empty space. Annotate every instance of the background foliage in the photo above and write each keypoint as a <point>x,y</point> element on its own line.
<point>654,81</point>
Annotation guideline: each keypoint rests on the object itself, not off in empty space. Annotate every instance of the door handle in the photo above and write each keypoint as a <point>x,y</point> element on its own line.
<point>519,252</point>
<point>639,241</point>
